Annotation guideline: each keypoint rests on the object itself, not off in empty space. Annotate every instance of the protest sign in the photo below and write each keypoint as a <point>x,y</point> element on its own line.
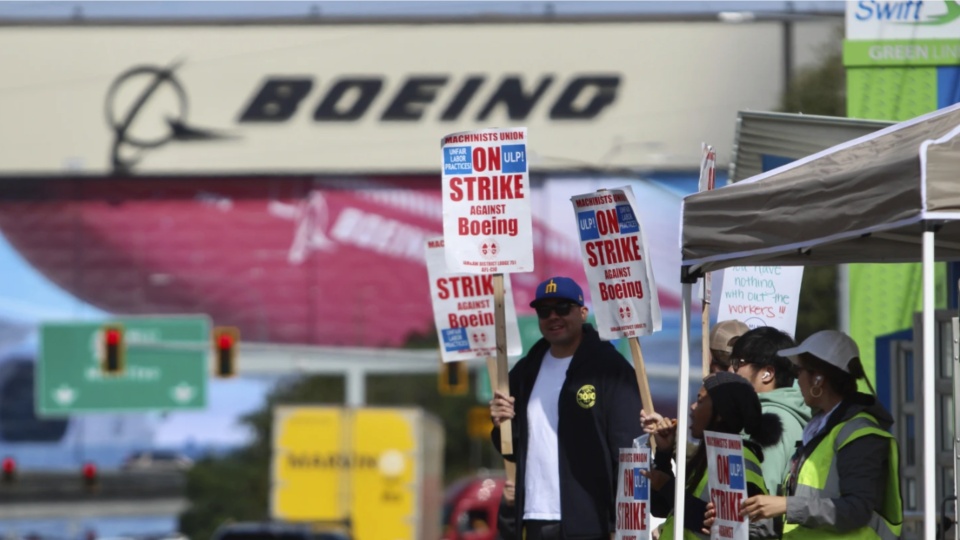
<point>620,275</point>
<point>708,179</point>
<point>762,296</point>
<point>618,271</point>
<point>727,482</point>
<point>487,221</point>
<point>463,310</point>
<point>633,495</point>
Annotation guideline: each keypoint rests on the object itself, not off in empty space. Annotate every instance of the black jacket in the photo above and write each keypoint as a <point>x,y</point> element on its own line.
<point>589,437</point>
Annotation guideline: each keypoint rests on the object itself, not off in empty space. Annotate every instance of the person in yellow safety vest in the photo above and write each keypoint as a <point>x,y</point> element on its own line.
<point>844,481</point>
<point>726,403</point>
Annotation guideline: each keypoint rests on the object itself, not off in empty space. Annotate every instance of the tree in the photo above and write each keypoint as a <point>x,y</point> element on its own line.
<point>820,89</point>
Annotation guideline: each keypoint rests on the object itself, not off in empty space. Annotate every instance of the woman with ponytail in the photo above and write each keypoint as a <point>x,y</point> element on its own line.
<point>726,403</point>
<point>844,481</point>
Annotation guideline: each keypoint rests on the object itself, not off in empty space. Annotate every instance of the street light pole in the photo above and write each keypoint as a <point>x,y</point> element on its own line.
<point>788,47</point>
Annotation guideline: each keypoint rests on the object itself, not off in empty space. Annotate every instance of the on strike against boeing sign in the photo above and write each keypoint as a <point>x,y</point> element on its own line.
<point>727,481</point>
<point>633,495</point>
<point>487,224</point>
<point>615,260</point>
<point>463,310</point>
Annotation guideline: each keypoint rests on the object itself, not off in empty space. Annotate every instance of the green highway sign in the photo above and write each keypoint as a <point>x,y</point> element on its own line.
<point>166,366</point>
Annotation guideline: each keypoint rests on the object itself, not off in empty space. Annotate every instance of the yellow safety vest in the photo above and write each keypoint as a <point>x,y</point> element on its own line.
<point>818,477</point>
<point>754,476</point>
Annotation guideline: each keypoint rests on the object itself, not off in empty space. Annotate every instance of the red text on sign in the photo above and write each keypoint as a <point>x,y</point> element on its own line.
<point>486,158</point>
<point>486,188</point>
<point>631,516</point>
<point>727,504</point>
<point>460,286</point>
<point>619,291</point>
<point>607,222</point>
<point>480,318</point>
<point>487,227</point>
<point>615,251</point>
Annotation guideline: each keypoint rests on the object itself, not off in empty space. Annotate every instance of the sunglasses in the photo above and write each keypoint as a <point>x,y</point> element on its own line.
<point>562,309</point>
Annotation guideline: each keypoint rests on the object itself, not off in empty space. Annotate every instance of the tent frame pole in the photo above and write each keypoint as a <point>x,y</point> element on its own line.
<point>929,389</point>
<point>683,403</point>
<point>955,360</point>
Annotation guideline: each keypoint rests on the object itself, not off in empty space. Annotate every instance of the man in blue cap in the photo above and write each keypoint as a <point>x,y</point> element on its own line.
<point>574,402</point>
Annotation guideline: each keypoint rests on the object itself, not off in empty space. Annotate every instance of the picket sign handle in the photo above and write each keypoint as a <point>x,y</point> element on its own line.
<point>508,466</point>
<point>511,469</point>
<point>492,373</point>
<point>705,324</point>
<point>641,371</point>
<point>503,370</point>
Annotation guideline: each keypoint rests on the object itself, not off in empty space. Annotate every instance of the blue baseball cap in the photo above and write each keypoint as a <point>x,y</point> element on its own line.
<point>562,288</point>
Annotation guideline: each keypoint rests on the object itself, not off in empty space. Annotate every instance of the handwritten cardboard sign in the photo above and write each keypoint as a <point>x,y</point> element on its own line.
<point>762,296</point>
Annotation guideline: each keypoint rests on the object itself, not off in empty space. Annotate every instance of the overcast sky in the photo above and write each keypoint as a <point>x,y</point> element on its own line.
<point>189,9</point>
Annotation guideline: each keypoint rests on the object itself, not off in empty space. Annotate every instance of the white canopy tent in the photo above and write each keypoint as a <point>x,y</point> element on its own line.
<point>890,196</point>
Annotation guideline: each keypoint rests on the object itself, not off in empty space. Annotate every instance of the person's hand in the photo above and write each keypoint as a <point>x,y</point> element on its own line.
<point>509,492</point>
<point>664,430</point>
<point>763,506</point>
<point>501,408</point>
<point>708,518</point>
<point>657,478</point>
<point>649,420</point>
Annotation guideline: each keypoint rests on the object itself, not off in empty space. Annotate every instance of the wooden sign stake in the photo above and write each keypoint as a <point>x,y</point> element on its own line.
<point>705,325</point>
<point>503,370</point>
<point>508,466</point>
<point>641,370</point>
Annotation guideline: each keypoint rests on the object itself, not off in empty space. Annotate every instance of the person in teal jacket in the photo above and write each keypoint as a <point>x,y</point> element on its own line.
<point>754,357</point>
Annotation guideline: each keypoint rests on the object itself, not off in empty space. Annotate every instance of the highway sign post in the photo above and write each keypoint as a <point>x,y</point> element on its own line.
<point>166,367</point>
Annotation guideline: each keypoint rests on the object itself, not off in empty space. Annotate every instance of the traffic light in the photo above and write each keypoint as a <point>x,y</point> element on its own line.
<point>454,379</point>
<point>89,477</point>
<point>225,340</point>
<point>9,470</point>
<point>114,351</point>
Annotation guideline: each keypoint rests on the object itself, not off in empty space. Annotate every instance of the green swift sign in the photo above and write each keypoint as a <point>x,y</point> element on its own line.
<point>902,52</point>
<point>166,366</point>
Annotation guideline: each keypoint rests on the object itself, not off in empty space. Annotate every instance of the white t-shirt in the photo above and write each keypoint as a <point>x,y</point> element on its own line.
<point>542,481</point>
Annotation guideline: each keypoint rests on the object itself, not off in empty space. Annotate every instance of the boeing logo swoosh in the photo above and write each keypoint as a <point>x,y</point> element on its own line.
<point>129,96</point>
